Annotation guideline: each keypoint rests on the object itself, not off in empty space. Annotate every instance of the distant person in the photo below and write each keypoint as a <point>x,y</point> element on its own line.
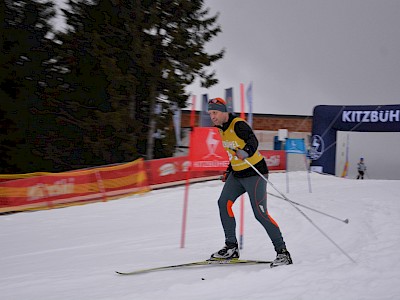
<point>241,144</point>
<point>361,167</point>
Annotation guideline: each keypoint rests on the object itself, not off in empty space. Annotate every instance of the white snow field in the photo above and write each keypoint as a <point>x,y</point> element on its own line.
<point>72,253</point>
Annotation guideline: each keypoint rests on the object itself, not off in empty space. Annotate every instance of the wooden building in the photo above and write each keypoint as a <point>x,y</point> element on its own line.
<point>265,122</point>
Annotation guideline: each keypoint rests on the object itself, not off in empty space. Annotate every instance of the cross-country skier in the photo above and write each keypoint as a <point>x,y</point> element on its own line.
<point>241,143</point>
<point>361,167</point>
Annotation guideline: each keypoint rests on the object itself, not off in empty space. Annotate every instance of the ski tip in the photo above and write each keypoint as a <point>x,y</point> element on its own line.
<point>119,273</point>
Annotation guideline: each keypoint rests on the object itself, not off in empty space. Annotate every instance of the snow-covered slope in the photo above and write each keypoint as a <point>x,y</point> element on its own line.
<point>72,253</point>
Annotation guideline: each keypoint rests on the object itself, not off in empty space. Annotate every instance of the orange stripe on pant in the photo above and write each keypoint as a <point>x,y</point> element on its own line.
<point>229,208</point>
<point>272,220</point>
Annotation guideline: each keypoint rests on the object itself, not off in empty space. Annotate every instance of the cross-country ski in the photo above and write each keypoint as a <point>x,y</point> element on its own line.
<point>202,263</point>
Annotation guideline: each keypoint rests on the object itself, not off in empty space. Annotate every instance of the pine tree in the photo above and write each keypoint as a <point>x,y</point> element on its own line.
<point>95,103</point>
<point>90,99</point>
<point>118,61</point>
<point>25,51</point>
<point>172,36</point>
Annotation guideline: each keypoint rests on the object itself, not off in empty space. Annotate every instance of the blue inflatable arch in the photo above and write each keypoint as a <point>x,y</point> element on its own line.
<point>327,119</point>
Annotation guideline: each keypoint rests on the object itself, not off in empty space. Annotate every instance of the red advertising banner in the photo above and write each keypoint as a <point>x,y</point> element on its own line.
<point>173,169</point>
<point>275,159</point>
<point>206,150</point>
<point>167,169</point>
<point>52,189</point>
<point>75,186</point>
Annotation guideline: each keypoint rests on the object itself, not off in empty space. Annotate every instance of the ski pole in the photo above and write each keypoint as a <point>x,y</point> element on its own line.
<point>310,208</point>
<point>301,212</point>
<point>299,204</point>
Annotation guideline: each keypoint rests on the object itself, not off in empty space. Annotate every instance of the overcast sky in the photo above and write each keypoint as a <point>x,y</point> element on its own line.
<point>300,54</point>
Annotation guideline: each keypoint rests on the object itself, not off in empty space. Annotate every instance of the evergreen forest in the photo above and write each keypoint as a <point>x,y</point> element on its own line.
<point>97,92</point>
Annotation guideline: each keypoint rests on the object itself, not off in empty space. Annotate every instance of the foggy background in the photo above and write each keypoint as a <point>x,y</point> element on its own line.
<point>300,54</point>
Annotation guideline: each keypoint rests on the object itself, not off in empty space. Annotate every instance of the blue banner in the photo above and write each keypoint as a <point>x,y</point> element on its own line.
<point>328,119</point>
<point>229,99</point>
<point>296,146</point>
<point>205,120</point>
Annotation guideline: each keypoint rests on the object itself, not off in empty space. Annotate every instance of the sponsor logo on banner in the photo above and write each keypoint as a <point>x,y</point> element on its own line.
<point>317,147</point>
<point>43,190</point>
<point>273,161</point>
<point>295,146</point>
<point>206,150</point>
<point>367,116</point>
<point>167,169</point>
<point>185,166</point>
<point>173,168</point>
<point>212,144</point>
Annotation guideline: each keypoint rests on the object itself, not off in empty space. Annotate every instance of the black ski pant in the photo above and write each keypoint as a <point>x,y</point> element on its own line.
<point>255,187</point>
